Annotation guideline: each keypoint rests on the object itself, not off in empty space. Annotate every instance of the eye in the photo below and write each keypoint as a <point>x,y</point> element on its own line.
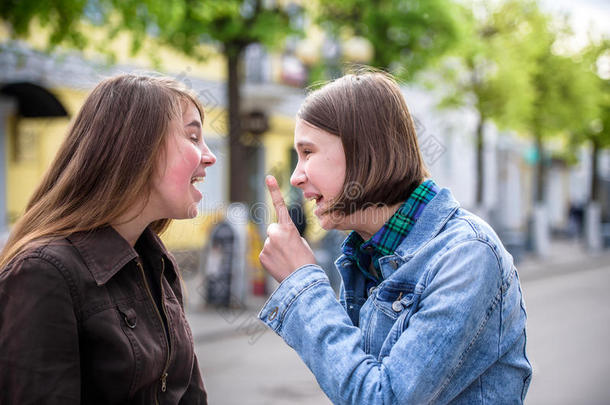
<point>306,152</point>
<point>194,137</point>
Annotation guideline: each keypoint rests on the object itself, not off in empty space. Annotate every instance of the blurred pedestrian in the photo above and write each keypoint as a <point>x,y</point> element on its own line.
<point>91,306</point>
<point>430,308</point>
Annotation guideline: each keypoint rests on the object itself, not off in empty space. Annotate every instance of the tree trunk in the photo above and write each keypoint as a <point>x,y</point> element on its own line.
<point>594,176</point>
<point>540,171</point>
<point>480,165</point>
<point>238,178</point>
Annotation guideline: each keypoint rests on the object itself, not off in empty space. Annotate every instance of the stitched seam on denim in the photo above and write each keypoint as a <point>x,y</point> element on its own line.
<point>447,249</point>
<point>76,304</point>
<point>472,226</point>
<point>436,232</point>
<point>271,297</point>
<point>488,314</point>
<point>485,319</point>
<point>501,326</point>
<point>506,284</point>
<point>289,305</point>
<point>388,313</point>
<point>368,334</point>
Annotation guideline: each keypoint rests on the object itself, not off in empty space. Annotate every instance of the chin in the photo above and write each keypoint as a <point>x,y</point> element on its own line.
<point>328,224</point>
<point>192,211</point>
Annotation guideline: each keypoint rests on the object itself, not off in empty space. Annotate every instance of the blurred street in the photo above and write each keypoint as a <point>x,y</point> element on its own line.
<point>568,332</point>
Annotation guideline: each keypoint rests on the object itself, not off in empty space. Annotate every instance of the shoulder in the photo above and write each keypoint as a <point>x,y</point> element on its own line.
<point>470,248</point>
<point>48,261</point>
<point>465,230</point>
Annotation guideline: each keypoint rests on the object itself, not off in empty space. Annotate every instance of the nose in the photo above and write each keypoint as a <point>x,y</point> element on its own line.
<point>298,177</point>
<point>207,157</point>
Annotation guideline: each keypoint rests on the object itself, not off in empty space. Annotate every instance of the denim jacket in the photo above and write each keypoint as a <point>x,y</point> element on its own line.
<point>446,324</point>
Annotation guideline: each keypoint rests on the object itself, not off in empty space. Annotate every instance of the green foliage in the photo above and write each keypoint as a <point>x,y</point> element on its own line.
<point>566,96</point>
<point>407,35</point>
<point>61,16</point>
<point>182,24</point>
<point>496,60</point>
<point>232,23</point>
<point>597,129</point>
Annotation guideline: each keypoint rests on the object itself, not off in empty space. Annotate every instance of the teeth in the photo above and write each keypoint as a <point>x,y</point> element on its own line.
<point>197,180</point>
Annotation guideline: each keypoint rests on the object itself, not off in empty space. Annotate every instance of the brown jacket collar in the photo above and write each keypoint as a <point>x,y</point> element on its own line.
<point>105,251</point>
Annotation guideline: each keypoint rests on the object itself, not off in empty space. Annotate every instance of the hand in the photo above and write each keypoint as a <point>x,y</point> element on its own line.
<point>284,250</point>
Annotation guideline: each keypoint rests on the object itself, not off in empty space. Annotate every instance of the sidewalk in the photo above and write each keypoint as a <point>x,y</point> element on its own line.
<point>210,324</point>
<point>565,256</point>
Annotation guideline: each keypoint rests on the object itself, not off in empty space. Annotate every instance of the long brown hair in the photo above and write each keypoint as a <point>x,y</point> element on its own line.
<point>105,164</point>
<point>368,112</point>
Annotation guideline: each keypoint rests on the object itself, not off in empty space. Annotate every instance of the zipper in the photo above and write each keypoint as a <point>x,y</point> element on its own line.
<point>169,343</point>
<point>167,338</point>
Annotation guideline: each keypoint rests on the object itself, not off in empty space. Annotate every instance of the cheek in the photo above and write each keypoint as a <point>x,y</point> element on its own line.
<point>334,176</point>
<point>184,164</point>
<point>180,164</point>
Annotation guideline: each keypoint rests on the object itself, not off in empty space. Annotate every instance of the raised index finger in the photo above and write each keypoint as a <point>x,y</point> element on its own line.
<point>278,200</point>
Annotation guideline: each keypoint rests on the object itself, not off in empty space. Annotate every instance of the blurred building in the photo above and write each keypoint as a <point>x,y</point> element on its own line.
<point>40,92</point>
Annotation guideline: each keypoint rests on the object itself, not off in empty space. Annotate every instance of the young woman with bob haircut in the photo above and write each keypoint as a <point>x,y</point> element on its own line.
<point>91,307</point>
<point>430,308</point>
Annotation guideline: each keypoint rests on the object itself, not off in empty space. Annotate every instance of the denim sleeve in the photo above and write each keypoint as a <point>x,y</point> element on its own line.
<point>463,289</point>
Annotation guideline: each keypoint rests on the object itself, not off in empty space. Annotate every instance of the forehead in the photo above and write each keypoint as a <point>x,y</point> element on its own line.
<point>190,112</point>
<point>305,133</point>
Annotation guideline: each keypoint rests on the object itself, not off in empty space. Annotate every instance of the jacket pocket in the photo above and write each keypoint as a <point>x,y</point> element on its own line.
<point>129,316</point>
<point>392,301</point>
<point>129,326</point>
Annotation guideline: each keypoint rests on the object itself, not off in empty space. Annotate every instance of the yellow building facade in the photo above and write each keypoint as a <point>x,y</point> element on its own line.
<point>30,144</point>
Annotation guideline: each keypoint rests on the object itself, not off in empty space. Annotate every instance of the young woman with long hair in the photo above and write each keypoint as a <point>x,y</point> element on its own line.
<point>430,309</point>
<point>90,299</point>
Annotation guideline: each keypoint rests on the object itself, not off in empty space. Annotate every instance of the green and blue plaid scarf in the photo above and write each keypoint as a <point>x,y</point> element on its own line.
<point>391,234</point>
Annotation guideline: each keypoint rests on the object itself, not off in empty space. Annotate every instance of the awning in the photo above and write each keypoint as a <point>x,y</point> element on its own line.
<point>33,100</point>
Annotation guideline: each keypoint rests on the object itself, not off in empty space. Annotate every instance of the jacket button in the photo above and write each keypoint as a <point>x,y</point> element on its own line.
<point>397,306</point>
<point>273,314</point>
<point>371,291</point>
<point>394,264</point>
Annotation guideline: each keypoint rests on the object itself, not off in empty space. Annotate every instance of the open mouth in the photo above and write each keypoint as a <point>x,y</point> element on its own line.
<point>197,179</point>
<point>318,198</point>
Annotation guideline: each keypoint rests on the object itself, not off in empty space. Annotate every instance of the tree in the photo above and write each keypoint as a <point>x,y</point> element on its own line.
<point>182,24</point>
<point>407,36</point>
<point>597,131</point>
<point>565,102</point>
<point>495,63</point>
<point>233,24</point>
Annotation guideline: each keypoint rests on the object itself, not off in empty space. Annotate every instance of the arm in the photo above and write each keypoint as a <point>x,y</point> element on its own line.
<point>195,393</point>
<point>463,289</point>
<point>39,352</point>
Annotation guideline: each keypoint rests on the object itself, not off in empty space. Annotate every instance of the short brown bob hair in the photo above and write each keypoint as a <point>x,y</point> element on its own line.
<point>368,112</point>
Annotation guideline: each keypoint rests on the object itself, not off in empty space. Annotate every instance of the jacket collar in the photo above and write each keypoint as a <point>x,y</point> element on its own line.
<point>433,218</point>
<point>105,251</point>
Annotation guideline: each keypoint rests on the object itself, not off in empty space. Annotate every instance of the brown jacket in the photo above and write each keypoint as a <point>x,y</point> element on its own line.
<point>78,324</point>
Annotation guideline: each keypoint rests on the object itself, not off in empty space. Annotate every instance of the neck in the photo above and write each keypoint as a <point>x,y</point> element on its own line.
<point>370,220</point>
<point>130,226</point>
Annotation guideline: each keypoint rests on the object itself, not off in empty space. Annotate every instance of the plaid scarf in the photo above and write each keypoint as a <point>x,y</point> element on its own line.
<point>391,234</point>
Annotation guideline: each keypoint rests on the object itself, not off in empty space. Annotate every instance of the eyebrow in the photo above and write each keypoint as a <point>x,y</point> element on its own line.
<point>303,144</point>
<point>194,123</point>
